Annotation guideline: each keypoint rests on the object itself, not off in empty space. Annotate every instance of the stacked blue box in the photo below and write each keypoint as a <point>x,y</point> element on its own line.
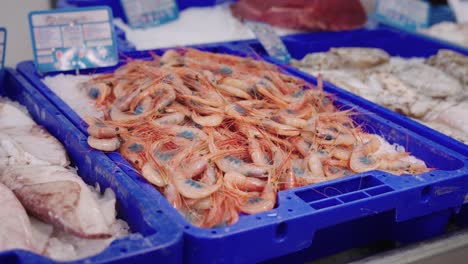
<point>324,218</point>
<point>155,238</point>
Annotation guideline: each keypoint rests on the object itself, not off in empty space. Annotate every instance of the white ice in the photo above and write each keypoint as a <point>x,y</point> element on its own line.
<point>195,25</point>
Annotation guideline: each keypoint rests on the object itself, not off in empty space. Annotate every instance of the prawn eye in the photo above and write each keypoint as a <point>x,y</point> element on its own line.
<point>328,137</point>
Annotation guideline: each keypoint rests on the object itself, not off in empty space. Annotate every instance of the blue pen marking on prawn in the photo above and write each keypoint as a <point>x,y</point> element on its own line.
<point>100,124</point>
<point>298,171</point>
<point>366,160</point>
<point>266,84</point>
<point>193,183</point>
<point>334,169</point>
<point>234,160</point>
<point>322,152</point>
<point>240,109</point>
<point>164,156</point>
<point>187,134</point>
<point>138,109</point>
<point>298,94</point>
<point>168,78</point>
<point>135,147</point>
<point>254,200</point>
<point>93,93</point>
<point>225,70</point>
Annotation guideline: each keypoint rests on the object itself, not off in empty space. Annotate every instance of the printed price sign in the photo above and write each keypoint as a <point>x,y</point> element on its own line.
<point>407,14</point>
<point>76,38</point>
<point>2,47</point>
<point>149,13</point>
<point>273,45</point>
<point>460,8</point>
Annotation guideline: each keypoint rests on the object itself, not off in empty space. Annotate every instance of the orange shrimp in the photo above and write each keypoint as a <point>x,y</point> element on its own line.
<point>98,91</point>
<point>361,159</point>
<point>266,201</point>
<point>153,175</point>
<point>134,151</point>
<point>239,181</point>
<point>104,144</point>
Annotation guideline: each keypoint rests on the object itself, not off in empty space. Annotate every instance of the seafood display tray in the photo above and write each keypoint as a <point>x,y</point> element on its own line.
<point>321,219</point>
<point>394,42</point>
<point>154,236</point>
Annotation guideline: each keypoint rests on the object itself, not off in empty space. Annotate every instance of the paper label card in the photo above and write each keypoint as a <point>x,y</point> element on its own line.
<point>149,13</point>
<point>273,45</point>
<point>76,38</point>
<point>3,35</point>
<point>406,14</point>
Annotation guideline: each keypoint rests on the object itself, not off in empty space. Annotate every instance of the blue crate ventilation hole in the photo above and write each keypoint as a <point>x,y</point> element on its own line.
<point>156,236</point>
<point>404,208</point>
<point>343,192</point>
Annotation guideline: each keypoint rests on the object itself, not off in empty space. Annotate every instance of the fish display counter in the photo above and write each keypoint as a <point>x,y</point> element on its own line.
<point>200,147</point>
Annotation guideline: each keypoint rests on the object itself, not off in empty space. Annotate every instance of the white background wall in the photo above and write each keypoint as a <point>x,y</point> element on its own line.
<point>14,17</point>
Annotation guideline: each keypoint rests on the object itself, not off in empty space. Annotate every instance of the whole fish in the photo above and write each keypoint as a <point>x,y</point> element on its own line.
<point>15,227</point>
<point>58,196</point>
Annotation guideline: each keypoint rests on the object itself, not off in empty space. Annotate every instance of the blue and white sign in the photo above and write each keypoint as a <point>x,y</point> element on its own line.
<point>149,13</point>
<point>273,45</point>
<point>3,35</point>
<point>406,14</point>
<point>76,38</point>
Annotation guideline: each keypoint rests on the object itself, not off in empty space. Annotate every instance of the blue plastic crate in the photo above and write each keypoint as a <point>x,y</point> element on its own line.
<point>357,209</point>
<point>396,43</point>
<point>159,238</point>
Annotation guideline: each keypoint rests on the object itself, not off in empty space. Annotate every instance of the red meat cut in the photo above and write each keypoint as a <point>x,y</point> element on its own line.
<point>330,15</point>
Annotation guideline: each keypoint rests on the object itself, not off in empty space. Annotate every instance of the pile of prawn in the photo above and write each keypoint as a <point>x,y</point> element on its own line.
<point>220,135</point>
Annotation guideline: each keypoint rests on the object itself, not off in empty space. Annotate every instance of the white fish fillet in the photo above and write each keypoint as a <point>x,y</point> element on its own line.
<point>455,117</point>
<point>15,228</point>
<point>58,196</point>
